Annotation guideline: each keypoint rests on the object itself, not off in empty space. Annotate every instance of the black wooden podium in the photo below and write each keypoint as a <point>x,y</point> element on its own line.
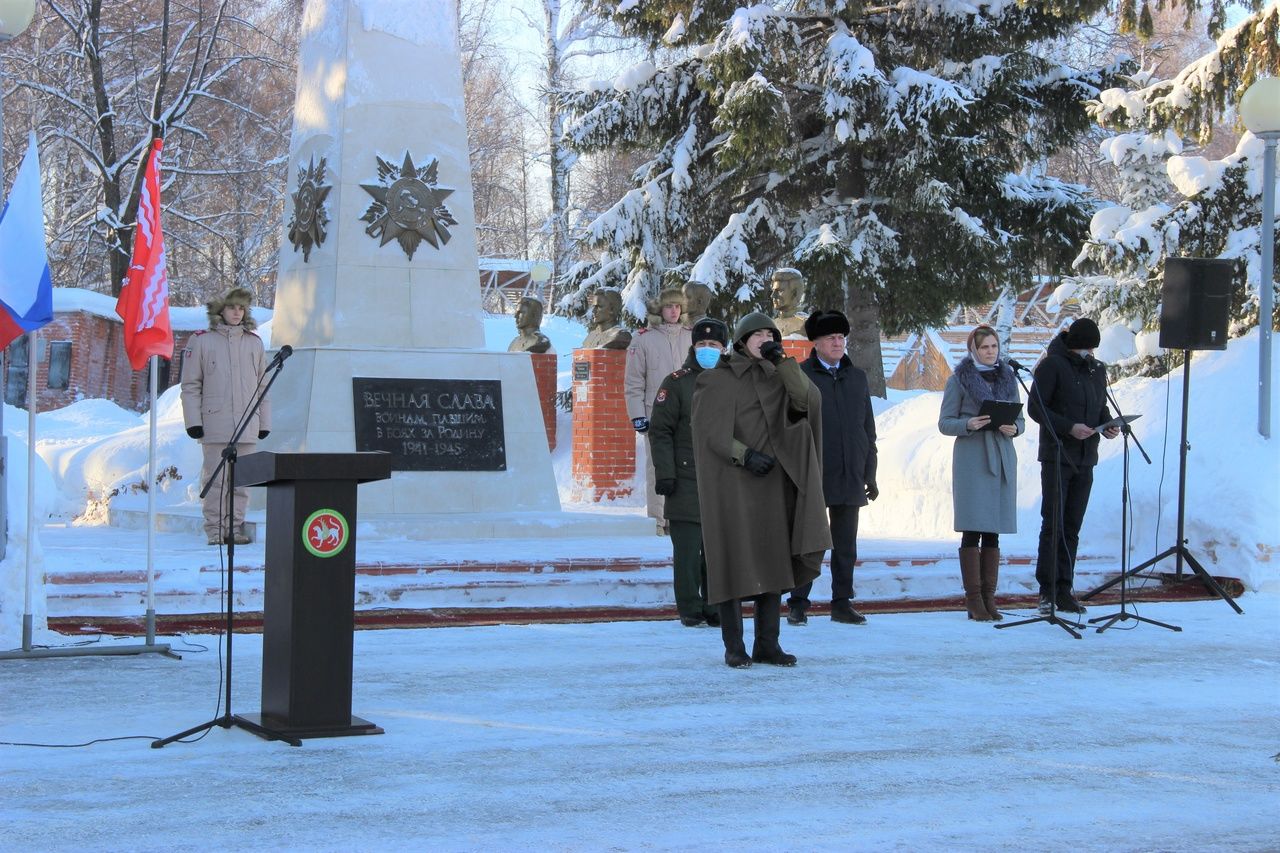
<point>309,608</point>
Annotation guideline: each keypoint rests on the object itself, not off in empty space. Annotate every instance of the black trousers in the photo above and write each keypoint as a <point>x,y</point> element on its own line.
<point>1067,491</point>
<point>844,554</point>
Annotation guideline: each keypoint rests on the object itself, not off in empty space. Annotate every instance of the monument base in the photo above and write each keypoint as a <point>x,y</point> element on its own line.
<point>314,410</point>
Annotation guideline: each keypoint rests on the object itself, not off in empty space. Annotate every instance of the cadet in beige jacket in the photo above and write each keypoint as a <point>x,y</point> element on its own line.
<point>653,356</point>
<point>221,370</point>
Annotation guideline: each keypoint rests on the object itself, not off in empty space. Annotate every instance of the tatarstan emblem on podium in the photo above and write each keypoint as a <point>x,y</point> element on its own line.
<point>325,533</point>
<point>408,205</point>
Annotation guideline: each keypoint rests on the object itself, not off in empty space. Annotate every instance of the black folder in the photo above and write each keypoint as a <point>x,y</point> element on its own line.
<point>1000,412</point>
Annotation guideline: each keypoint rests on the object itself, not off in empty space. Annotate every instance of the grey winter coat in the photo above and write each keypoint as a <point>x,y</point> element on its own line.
<point>984,467</point>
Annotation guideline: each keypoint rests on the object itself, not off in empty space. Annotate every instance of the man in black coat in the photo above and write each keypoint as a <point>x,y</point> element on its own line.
<point>848,458</point>
<point>1069,401</point>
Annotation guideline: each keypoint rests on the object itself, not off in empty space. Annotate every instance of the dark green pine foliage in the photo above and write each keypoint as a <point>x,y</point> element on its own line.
<point>892,152</point>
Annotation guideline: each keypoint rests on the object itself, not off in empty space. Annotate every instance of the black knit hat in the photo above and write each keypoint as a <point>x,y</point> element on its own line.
<point>710,329</point>
<point>1083,334</point>
<point>822,323</point>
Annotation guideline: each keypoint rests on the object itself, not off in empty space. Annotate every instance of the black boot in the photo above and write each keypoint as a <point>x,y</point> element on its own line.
<point>768,624</point>
<point>735,651</point>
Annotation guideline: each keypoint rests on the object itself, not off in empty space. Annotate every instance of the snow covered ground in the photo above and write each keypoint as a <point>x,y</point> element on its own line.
<point>916,732</point>
<point>919,731</point>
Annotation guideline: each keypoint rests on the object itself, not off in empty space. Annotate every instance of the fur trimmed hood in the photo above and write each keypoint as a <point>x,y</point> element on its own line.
<point>234,296</point>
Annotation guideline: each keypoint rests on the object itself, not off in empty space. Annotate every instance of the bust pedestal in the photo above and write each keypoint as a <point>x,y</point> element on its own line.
<point>604,443</point>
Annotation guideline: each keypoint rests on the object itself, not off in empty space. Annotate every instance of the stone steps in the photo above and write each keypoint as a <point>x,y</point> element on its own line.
<point>471,591</point>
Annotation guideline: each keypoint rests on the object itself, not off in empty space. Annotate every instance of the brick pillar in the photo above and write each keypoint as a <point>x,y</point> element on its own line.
<point>797,348</point>
<point>604,444</point>
<point>544,374</point>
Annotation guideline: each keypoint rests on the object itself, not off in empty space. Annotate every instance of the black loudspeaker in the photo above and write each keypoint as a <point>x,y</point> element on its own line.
<point>1195,303</point>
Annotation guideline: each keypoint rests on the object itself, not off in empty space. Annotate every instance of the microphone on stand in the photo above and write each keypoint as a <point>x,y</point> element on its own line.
<point>284,352</point>
<point>1013,365</point>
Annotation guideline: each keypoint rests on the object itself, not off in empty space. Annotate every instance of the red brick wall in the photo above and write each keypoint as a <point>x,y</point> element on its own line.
<point>99,366</point>
<point>797,349</point>
<point>544,375</point>
<point>604,444</point>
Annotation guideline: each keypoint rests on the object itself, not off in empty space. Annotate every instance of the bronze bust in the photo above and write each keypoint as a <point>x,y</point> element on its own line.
<point>787,292</point>
<point>604,331</point>
<point>528,320</point>
<point>697,299</point>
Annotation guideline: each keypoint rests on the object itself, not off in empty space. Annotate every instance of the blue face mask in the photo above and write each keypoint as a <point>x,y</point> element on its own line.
<point>708,357</point>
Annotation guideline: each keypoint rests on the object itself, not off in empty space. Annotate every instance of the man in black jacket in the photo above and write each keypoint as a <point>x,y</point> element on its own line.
<point>848,458</point>
<point>1069,401</point>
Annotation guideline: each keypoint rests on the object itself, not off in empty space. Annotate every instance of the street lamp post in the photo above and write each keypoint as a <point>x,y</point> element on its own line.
<point>15,16</point>
<point>1260,112</point>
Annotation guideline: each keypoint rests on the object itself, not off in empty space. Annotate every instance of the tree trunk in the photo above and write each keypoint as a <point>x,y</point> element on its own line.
<point>558,156</point>
<point>864,337</point>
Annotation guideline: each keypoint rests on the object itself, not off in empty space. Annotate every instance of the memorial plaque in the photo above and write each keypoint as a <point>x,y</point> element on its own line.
<point>431,424</point>
<point>581,371</point>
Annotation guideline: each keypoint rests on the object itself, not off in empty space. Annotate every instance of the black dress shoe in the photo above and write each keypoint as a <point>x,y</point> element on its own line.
<point>692,621</point>
<point>842,611</point>
<point>713,618</point>
<point>774,655</point>
<point>795,616</point>
<point>737,659</point>
<point>1046,604</point>
<point>1067,603</point>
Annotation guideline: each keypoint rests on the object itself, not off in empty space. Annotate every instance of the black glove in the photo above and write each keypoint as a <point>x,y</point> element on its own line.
<point>772,351</point>
<point>873,491</point>
<point>756,462</point>
<point>665,486</point>
<point>195,431</point>
<point>641,424</point>
<point>263,433</point>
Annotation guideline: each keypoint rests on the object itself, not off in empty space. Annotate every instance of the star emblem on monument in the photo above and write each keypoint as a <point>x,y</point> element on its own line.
<point>307,227</point>
<point>408,205</point>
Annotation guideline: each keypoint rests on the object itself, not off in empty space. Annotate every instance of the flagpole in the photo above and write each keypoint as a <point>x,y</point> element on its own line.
<point>154,364</point>
<point>33,362</point>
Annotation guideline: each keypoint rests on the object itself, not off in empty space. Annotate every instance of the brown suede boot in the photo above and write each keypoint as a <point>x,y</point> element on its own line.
<point>970,575</point>
<point>989,572</point>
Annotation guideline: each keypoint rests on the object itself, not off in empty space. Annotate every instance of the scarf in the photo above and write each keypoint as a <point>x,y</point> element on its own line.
<point>971,380</point>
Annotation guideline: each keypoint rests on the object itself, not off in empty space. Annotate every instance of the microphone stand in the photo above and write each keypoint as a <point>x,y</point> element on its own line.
<point>1051,617</point>
<point>1123,614</point>
<point>227,720</point>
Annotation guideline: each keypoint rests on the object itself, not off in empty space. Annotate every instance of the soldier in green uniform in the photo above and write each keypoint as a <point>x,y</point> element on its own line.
<point>671,444</point>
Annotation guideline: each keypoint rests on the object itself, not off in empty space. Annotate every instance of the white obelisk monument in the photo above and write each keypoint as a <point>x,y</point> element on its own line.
<point>378,289</point>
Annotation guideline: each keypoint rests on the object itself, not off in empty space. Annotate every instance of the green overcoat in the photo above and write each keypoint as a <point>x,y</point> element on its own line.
<point>753,527</point>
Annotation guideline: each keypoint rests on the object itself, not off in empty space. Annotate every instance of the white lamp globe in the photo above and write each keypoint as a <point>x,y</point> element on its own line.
<point>15,16</point>
<point>1260,106</point>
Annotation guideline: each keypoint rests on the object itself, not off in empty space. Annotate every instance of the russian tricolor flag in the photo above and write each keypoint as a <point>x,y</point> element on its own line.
<point>26,287</point>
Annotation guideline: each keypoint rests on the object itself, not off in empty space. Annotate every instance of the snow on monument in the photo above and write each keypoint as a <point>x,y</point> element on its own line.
<point>378,284</point>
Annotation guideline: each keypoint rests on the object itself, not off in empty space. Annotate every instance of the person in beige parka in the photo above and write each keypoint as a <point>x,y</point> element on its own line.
<point>654,355</point>
<point>221,371</point>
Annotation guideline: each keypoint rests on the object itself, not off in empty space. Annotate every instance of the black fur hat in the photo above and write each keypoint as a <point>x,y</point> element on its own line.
<point>822,323</point>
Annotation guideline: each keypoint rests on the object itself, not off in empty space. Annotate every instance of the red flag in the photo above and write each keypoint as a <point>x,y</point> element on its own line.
<point>144,300</point>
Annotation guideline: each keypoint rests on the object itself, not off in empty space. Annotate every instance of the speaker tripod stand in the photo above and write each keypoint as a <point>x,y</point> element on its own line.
<point>1179,549</point>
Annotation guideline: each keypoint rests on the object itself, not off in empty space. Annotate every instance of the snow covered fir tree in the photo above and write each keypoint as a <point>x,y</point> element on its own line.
<point>1174,203</point>
<point>893,153</point>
